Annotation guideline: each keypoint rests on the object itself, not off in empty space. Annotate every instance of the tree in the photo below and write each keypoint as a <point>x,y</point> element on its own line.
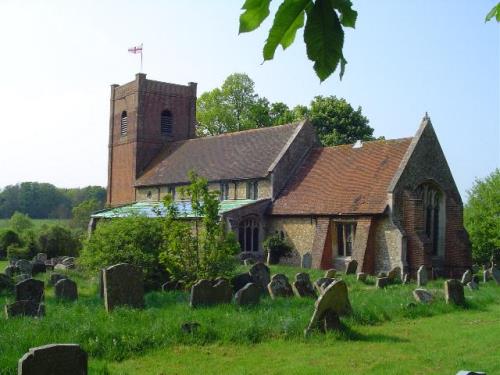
<point>58,240</point>
<point>8,237</point>
<point>494,13</point>
<point>337,122</point>
<point>482,216</point>
<point>82,212</point>
<point>20,222</point>
<point>323,33</point>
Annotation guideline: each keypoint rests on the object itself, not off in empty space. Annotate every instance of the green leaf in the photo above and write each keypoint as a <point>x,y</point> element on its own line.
<point>494,12</point>
<point>288,19</point>
<point>255,12</point>
<point>324,39</point>
<point>348,15</point>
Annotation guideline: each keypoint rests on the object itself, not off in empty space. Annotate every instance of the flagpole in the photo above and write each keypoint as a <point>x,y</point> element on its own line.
<point>141,57</point>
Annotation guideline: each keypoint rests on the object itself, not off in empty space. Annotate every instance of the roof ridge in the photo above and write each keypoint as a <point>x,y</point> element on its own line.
<point>371,142</point>
<point>227,134</point>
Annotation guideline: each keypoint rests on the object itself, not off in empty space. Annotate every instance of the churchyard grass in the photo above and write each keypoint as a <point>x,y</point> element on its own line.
<point>127,334</point>
<point>4,223</point>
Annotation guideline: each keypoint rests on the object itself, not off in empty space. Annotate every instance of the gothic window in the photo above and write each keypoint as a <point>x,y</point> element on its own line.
<point>345,238</point>
<point>166,122</point>
<point>431,201</point>
<point>252,190</point>
<point>124,124</point>
<point>224,191</point>
<point>248,235</point>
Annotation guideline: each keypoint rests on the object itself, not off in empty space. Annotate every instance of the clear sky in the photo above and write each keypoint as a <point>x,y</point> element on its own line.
<point>58,58</point>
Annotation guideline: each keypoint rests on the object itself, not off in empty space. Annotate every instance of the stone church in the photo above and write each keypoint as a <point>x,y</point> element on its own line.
<point>384,203</point>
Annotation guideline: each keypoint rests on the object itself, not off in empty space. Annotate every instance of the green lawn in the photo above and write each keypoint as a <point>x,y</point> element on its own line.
<point>383,333</point>
<point>4,223</point>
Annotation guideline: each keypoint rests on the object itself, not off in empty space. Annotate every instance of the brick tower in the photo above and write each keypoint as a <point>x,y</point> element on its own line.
<point>145,115</point>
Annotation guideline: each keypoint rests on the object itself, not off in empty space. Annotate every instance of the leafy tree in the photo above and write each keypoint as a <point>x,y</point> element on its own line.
<point>20,222</point>
<point>58,240</point>
<point>82,212</point>
<point>482,216</point>
<point>323,33</point>
<point>8,237</point>
<point>200,248</point>
<point>494,13</point>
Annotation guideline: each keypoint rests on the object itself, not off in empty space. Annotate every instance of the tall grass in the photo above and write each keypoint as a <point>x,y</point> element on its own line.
<point>126,333</point>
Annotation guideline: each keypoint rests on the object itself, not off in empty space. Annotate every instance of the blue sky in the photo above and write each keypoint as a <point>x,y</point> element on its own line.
<point>58,59</point>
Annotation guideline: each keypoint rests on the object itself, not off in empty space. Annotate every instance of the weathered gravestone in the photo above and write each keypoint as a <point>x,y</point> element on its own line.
<point>6,283</point>
<point>54,359</point>
<point>329,307</point>
<point>466,277</point>
<point>55,277</point>
<point>422,296</point>
<point>123,286</point>
<point>25,308</point>
<point>24,266</point>
<point>422,276</point>
<point>466,372</point>
<point>249,261</point>
<point>279,286</point>
<point>394,274</point>
<point>330,274</point>
<point>382,282</point>
<point>486,275</point>
<point>171,285</point>
<point>11,270</point>
<point>21,277</point>
<point>302,286</point>
<point>306,260</point>
<point>495,274</point>
<point>472,285</point>
<point>361,276</point>
<point>239,281</point>
<point>351,267</point>
<point>38,268</point>
<point>454,292</point>
<point>30,289</point>
<point>40,257</point>
<point>322,283</point>
<point>206,293</point>
<point>406,278</point>
<point>248,295</point>
<point>61,267</point>
<point>260,274</point>
<point>66,289</point>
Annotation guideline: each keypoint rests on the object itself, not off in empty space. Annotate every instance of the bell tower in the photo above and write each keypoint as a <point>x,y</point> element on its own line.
<point>145,115</point>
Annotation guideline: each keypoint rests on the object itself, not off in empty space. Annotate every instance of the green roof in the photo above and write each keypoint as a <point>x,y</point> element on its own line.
<point>157,209</point>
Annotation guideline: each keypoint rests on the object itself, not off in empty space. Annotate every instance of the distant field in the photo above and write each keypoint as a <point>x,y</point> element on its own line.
<point>38,222</point>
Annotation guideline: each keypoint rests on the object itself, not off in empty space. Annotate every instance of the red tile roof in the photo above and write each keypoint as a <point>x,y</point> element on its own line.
<point>239,155</point>
<point>343,180</point>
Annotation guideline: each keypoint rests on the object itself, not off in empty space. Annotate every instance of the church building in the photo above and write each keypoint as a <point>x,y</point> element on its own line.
<point>384,203</point>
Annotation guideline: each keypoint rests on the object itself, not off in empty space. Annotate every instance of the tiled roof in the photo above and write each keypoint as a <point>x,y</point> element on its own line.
<point>240,155</point>
<point>343,180</point>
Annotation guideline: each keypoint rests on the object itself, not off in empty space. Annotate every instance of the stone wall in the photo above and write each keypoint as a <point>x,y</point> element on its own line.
<point>388,245</point>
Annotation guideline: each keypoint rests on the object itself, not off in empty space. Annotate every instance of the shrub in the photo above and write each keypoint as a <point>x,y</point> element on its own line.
<point>277,247</point>
<point>82,212</point>
<point>133,240</point>
<point>8,237</point>
<point>20,222</point>
<point>57,240</point>
<point>15,251</point>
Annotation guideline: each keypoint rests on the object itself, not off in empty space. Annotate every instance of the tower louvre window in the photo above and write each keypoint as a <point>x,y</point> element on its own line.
<point>166,122</point>
<point>124,124</point>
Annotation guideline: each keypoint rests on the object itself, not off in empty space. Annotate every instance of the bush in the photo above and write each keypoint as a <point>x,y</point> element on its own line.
<point>277,248</point>
<point>57,240</point>
<point>8,237</point>
<point>18,252</point>
<point>133,240</point>
<point>20,222</point>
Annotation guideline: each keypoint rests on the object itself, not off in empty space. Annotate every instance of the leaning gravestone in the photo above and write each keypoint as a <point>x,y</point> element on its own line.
<point>454,292</point>
<point>306,261</point>
<point>382,282</point>
<point>206,293</point>
<point>351,267</point>
<point>24,266</point>
<point>66,289</point>
<point>422,296</point>
<point>329,307</point>
<point>466,277</point>
<point>248,295</point>
<point>25,308</point>
<point>239,281</point>
<point>279,286</point>
<point>322,283</point>
<point>54,359</point>
<point>422,276</point>
<point>31,290</point>
<point>302,286</point>
<point>330,274</point>
<point>361,276</point>
<point>260,274</point>
<point>394,274</point>
<point>55,277</point>
<point>123,286</point>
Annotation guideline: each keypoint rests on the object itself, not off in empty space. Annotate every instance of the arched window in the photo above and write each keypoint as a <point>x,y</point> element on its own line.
<point>432,201</point>
<point>124,123</point>
<point>166,122</point>
<point>248,235</point>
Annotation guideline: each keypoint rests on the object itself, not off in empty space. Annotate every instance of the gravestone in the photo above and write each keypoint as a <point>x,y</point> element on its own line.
<point>69,262</point>
<point>38,268</point>
<point>495,274</point>
<point>54,359</point>
<point>21,277</point>
<point>394,274</point>
<point>454,292</point>
<point>6,283</point>
<point>472,285</point>
<point>30,289</point>
<point>55,277</point>
<point>466,277</point>
<point>330,274</point>
<point>206,293</point>
<point>302,286</point>
<point>222,291</point>
<point>322,283</point>
<point>11,270</point>
<point>60,267</point>
<point>24,266</point>
<point>40,257</point>
<point>382,282</point>
<point>239,281</point>
<point>171,286</point>
<point>66,289</point>
<point>486,276</point>
<point>24,308</point>
<point>381,274</point>
<point>260,274</point>
<point>361,276</point>
<point>422,276</point>
<point>249,262</point>
<point>306,260</point>
<point>351,267</point>
<point>329,307</point>
<point>248,295</point>
<point>422,296</point>
<point>279,286</point>
<point>406,278</point>
<point>123,286</point>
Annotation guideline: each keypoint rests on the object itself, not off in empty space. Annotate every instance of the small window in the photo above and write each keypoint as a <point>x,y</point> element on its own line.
<point>252,190</point>
<point>224,191</point>
<point>166,123</point>
<point>149,194</point>
<point>345,238</point>
<point>124,124</point>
